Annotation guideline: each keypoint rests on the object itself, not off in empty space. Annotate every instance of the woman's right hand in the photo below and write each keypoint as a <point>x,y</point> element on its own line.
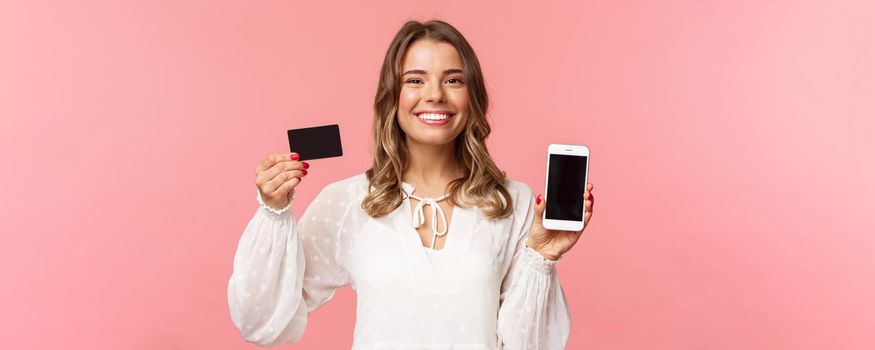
<point>277,175</point>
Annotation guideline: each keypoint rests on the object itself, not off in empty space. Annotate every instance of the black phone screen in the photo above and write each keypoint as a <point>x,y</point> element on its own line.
<point>565,186</point>
<point>316,142</point>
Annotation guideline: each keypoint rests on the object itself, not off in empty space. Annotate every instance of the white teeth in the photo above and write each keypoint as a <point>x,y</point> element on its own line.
<point>432,116</point>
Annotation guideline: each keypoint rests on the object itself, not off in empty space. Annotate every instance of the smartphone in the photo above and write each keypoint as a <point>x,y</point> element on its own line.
<point>316,142</point>
<point>567,176</point>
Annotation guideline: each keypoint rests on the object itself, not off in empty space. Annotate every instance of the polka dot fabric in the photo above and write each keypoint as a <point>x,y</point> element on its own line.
<point>483,290</point>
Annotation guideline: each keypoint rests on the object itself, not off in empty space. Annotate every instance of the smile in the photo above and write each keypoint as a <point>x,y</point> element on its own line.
<point>434,117</point>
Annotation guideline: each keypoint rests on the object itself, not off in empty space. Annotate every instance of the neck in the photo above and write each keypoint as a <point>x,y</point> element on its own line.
<point>430,168</point>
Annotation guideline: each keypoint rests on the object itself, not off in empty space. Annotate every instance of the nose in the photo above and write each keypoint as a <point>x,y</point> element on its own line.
<point>435,93</point>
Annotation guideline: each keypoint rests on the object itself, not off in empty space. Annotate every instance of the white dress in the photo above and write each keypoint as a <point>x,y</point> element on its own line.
<point>484,290</point>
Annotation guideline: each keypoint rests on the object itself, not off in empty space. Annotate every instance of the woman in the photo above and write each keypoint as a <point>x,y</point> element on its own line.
<point>477,273</point>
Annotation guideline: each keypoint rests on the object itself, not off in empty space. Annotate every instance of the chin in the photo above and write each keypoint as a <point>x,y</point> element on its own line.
<point>434,140</point>
<point>430,136</point>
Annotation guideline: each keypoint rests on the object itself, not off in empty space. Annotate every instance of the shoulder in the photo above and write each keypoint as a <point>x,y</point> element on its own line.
<point>335,199</point>
<point>521,194</point>
<point>518,188</point>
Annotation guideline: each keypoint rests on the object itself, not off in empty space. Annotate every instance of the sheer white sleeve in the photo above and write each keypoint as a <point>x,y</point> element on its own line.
<point>284,270</point>
<point>533,312</point>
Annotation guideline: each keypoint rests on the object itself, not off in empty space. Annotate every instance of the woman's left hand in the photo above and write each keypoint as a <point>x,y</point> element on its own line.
<point>552,243</point>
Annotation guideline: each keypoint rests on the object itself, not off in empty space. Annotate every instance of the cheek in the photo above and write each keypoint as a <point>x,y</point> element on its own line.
<point>407,100</point>
<point>460,99</point>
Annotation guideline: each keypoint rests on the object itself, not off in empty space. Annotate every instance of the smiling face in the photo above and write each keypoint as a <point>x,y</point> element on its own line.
<point>433,104</point>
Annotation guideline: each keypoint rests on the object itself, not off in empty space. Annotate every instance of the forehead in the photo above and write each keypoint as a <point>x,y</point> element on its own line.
<point>431,55</point>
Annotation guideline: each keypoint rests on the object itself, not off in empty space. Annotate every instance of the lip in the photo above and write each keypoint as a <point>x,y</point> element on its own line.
<point>435,122</point>
<point>435,111</point>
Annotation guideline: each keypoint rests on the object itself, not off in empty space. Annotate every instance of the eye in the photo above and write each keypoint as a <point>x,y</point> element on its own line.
<point>414,81</point>
<point>454,81</point>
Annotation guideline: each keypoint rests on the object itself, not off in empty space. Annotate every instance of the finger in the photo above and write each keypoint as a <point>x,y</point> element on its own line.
<point>588,203</point>
<point>285,165</point>
<point>289,185</point>
<point>273,185</point>
<point>273,159</point>
<point>587,196</point>
<point>281,178</point>
<point>588,186</point>
<point>540,205</point>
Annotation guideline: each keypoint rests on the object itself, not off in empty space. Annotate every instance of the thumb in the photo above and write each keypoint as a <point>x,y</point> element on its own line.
<point>540,205</point>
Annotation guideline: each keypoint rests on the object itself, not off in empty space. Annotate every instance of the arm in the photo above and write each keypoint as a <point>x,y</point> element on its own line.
<point>284,270</point>
<point>533,313</point>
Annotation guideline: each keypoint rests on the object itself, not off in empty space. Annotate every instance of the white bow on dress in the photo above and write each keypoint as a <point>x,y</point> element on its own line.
<point>419,215</point>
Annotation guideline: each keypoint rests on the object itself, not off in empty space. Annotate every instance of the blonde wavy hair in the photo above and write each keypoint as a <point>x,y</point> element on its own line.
<point>483,185</point>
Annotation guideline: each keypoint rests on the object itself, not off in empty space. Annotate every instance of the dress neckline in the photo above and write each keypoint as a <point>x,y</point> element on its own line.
<point>408,189</point>
<point>437,213</point>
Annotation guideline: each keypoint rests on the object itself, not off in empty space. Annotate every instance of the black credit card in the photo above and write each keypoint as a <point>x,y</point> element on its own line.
<point>316,142</point>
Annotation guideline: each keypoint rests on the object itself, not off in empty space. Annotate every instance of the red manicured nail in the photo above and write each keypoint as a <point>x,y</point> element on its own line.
<point>295,156</point>
<point>306,166</point>
<point>538,200</point>
<point>304,171</point>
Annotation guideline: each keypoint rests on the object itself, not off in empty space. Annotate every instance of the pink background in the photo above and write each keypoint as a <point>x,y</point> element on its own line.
<point>732,145</point>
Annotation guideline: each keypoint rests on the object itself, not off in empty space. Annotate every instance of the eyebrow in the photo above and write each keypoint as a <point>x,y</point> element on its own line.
<point>420,71</point>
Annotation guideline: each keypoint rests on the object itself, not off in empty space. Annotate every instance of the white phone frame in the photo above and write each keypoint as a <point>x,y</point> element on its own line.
<point>573,150</point>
